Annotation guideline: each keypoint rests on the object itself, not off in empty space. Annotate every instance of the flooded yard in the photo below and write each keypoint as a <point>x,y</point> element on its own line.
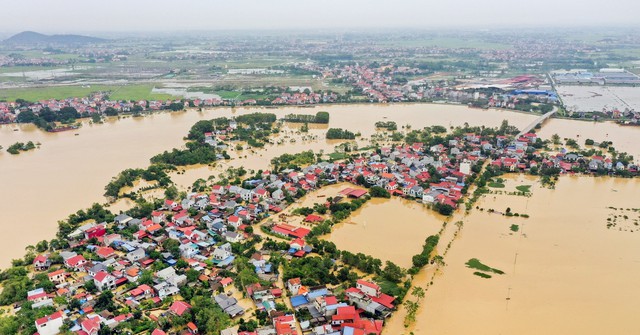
<point>389,229</point>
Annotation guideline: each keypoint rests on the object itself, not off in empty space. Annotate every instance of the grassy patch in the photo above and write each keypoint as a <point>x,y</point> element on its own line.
<point>514,228</point>
<point>391,288</point>
<point>475,263</point>
<point>128,92</point>
<point>482,275</point>
<point>338,155</point>
<point>524,188</point>
<point>495,185</point>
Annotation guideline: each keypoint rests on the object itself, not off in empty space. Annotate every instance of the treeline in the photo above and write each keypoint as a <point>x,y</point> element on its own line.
<point>388,125</point>
<point>17,147</point>
<point>379,192</point>
<point>293,161</point>
<point>362,262</point>
<point>96,212</point>
<point>256,118</point>
<point>46,118</point>
<point>435,135</point>
<point>195,153</point>
<point>320,117</point>
<point>342,210</point>
<point>127,177</point>
<point>424,257</point>
<point>313,271</point>
<point>341,134</point>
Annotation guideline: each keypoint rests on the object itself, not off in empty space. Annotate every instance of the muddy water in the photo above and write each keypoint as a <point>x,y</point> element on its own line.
<point>390,229</point>
<point>309,200</point>
<point>69,172</point>
<point>565,272</point>
<point>624,138</point>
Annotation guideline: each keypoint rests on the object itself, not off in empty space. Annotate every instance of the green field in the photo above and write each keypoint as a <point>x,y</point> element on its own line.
<point>129,92</point>
<point>338,155</point>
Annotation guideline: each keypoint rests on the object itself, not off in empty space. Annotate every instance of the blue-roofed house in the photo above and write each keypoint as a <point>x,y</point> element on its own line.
<point>299,301</point>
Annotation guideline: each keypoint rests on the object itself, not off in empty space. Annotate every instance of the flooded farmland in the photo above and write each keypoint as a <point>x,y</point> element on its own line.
<point>624,138</point>
<point>389,229</point>
<point>565,271</point>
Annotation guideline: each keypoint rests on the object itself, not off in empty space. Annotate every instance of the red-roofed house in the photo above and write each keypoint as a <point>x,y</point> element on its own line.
<point>367,296</point>
<point>179,308</point>
<point>105,252</point>
<point>58,276</point>
<point>313,218</point>
<point>75,262</point>
<point>91,326</point>
<point>193,329</point>
<point>104,281</point>
<point>41,263</point>
<point>345,314</point>
<point>142,292</point>
<point>234,221</point>
<point>226,281</point>
<point>96,231</point>
<point>293,285</point>
<point>285,325</point>
<point>368,288</point>
<point>290,231</point>
<point>50,324</point>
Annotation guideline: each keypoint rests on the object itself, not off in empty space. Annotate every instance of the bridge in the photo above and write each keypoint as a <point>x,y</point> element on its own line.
<point>537,121</point>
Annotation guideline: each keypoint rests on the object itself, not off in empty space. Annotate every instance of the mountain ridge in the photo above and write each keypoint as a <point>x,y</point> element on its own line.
<point>31,37</point>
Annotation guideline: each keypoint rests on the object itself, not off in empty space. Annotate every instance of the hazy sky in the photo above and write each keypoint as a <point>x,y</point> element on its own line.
<point>72,16</point>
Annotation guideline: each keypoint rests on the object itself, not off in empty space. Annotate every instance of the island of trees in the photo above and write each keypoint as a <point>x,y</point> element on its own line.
<point>18,147</point>
<point>388,125</point>
<point>340,134</point>
<point>320,117</point>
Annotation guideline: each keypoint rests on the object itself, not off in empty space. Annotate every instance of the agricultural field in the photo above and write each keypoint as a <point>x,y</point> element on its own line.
<point>126,92</point>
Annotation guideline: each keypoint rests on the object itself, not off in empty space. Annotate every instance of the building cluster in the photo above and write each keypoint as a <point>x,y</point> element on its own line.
<point>606,76</point>
<point>144,261</point>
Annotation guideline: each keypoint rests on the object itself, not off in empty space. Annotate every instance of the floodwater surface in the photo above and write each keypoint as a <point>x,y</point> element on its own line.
<point>565,272</point>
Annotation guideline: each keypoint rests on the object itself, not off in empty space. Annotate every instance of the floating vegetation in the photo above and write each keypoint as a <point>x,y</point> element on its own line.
<point>475,264</point>
<point>624,219</point>
<point>482,275</point>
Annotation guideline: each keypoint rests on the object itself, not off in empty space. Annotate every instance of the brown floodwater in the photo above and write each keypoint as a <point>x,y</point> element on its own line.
<point>565,272</point>
<point>389,229</point>
<point>69,172</point>
<point>571,274</point>
<point>624,138</point>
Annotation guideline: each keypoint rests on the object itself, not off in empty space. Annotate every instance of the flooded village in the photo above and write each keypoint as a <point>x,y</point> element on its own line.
<point>331,241</point>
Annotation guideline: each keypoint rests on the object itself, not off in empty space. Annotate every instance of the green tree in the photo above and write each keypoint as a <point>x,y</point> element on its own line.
<point>393,272</point>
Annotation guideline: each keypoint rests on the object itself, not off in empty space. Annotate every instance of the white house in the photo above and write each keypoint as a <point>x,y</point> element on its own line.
<point>368,288</point>
<point>136,255</point>
<point>104,281</point>
<point>50,324</point>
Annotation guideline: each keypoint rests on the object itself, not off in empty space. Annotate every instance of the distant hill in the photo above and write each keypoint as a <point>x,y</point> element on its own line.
<point>30,37</point>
